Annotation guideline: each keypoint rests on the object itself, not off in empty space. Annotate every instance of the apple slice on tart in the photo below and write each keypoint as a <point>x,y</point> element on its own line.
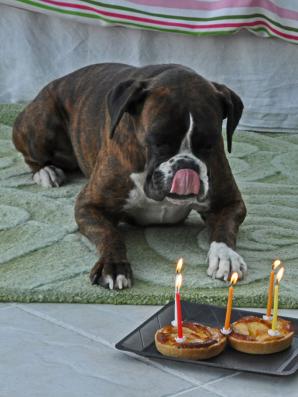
<point>250,335</point>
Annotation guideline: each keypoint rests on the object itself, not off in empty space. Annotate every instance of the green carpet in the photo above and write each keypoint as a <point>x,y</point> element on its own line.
<point>44,259</point>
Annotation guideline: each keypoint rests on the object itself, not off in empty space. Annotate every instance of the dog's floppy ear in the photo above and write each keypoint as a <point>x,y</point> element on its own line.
<point>128,96</point>
<point>232,110</point>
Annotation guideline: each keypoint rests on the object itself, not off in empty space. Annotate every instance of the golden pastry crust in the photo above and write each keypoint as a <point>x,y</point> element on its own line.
<point>250,335</point>
<point>201,342</point>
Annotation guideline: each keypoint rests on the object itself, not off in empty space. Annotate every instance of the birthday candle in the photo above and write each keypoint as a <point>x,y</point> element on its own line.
<point>179,317</point>
<point>178,271</point>
<point>179,338</point>
<point>226,328</point>
<point>275,264</point>
<point>279,276</point>
<point>275,308</point>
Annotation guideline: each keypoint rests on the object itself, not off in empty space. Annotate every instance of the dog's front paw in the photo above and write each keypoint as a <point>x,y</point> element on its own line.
<point>222,261</point>
<point>49,176</point>
<point>112,275</point>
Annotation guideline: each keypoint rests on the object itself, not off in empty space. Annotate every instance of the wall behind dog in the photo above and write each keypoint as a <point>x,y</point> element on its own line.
<point>37,48</point>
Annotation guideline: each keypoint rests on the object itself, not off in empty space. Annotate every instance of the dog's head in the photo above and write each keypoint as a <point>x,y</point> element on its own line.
<point>180,116</point>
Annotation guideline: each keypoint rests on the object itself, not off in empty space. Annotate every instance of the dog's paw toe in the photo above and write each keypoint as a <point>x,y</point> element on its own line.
<point>106,281</point>
<point>122,281</point>
<point>49,176</point>
<point>111,275</point>
<point>223,260</point>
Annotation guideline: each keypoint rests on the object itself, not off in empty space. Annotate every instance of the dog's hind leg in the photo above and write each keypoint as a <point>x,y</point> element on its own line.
<point>40,134</point>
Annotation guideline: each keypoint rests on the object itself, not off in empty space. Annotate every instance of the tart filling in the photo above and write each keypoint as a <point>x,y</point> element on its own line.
<point>253,328</point>
<point>200,342</point>
<point>196,336</point>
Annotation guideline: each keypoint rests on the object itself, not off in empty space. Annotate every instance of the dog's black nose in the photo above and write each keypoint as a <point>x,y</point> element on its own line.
<point>186,163</point>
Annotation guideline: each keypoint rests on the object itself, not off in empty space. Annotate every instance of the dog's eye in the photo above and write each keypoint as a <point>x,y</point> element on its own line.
<point>156,142</point>
<point>205,148</point>
<point>160,144</point>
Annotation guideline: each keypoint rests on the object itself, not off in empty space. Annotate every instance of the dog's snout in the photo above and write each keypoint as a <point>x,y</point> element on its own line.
<point>157,175</point>
<point>186,163</point>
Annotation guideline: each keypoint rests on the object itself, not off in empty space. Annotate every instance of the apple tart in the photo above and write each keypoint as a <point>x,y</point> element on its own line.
<point>250,335</point>
<point>201,342</point>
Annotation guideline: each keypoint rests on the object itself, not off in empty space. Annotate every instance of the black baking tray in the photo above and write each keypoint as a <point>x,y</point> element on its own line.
<point>141,341</point>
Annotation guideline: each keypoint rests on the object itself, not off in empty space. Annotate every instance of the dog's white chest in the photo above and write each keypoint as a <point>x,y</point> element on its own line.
<point>146,211</point>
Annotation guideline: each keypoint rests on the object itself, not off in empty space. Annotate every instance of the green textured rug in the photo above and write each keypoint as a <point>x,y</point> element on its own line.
<point>44,259</point>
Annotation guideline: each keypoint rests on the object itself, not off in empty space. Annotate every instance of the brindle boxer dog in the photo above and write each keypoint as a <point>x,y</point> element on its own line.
<point>149,141</point>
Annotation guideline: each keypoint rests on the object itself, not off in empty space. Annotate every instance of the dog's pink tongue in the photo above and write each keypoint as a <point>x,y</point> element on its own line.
<point>185,182</point>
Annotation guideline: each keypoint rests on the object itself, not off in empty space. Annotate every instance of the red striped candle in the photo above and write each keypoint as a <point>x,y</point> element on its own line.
<point>179,339</point>
<point>179,316</point>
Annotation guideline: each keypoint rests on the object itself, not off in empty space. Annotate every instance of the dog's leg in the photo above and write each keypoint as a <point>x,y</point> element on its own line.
<point>112,270</point>
<point>39,134</point>
<point>223,227</point>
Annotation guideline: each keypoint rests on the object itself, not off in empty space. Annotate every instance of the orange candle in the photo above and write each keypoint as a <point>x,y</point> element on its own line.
<point>234,279</point>
<point>275,264</point>
<point>270,290</point>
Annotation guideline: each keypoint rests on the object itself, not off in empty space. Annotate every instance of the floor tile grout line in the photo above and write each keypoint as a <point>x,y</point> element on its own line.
<point>94,338</point>
<point>216,393</point>
<point>165,369</point>
<point>213,392</point>
<point>204,386</point>
<point>200,387</point>
<point>64,325</point>
<point>180,393</point>
<point>211,382</point>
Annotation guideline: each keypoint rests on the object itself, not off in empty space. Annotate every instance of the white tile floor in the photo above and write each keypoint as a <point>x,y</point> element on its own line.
<point>59,350</point>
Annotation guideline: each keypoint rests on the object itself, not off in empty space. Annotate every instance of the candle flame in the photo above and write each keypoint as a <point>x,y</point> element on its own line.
<point>179,265</point>
<point>275,264</point>
<point>280,274</point>
<point>234,278</point>
<point>178,281</point>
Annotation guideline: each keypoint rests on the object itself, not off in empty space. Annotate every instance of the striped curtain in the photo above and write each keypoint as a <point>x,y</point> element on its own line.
<point>267,18</point>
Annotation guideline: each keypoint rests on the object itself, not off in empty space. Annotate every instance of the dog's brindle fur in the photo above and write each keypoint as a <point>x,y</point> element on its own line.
<point>105,120</point>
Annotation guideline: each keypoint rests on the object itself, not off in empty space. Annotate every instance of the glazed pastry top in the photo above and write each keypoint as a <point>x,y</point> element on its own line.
<point>253,328</point>
<point>196,335</point>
